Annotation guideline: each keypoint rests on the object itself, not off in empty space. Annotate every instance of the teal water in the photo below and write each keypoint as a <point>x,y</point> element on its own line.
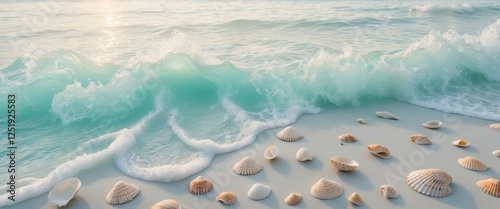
<point>162,87</point>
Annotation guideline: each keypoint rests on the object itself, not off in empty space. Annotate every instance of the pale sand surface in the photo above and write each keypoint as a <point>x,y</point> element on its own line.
<point>285,174</point>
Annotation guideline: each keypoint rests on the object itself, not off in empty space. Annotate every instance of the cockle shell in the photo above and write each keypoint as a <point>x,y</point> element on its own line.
<point>420,139</point>
<point>379,150</point>
<point>431,182</point>
<point>200,185</point>
<point>495,126</point>
<point>122,192</point>
<point>289,134</point>
<point>227,198</point>
<point>489,186</point>
<point>65,191</point>
<point>355,199</point>
<point>386,115</point>
<point>361,121</point>
<point>293,199</point>
<point>247,166</point>
<point>259,191</point>
<point>167,204</point>
<point>347,138</point>
<point>304,154</point>
<point>460,143</point>
<point>432,124</point>
<point>271,152</point>
<point>496,153</point>
<point>389,192</point>
<point>343,163</point>
<point>326,189</point>
<point>472,164</point>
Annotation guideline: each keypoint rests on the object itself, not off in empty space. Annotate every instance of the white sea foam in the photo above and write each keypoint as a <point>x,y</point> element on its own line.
<point>459,8</point>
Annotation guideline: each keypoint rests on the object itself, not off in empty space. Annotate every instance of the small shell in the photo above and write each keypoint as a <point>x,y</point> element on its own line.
<point>386,115</point>
<point>343,163</point>
<point>495,126</point>
<point>326,189</point>
<point>432,124</point>
<point>63,192</point>
<point>167,204</point>
<point>489,186</point>
<point>420,139</point>
<point>271,152</point>
<point>259,191</point>
<point>361,121</point>
<point>289,134</point>
<point>227,198</point>
<point>379,150</point>
<point>496,153</point>
<point>389,192</point>
<point>347,138</point>
<point>431,182</point>
<point>247,166</point>
<point>293,199</point>
<point>200,185</point>
<point>472,164</point>
<point>122,192</point>
<point>304,154</point>
<point>460,143</point>
<point>355,199</point>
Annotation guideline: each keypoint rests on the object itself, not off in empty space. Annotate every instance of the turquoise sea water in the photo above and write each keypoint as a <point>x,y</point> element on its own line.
<point>162,87</point>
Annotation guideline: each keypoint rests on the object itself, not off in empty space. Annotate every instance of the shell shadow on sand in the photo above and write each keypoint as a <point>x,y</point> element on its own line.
<point>281,166</point>
<point>466,199</point>
<point>315,165</point>
<point>357,179</point>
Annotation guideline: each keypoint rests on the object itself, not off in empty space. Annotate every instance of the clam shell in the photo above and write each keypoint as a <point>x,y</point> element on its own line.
<point>431,182</point>
<point>361,121</point>
<point>472,164</point>
<point>63,192</point>
<point>167,204</point>
<point>386,115</point>
<point>389,192</point>
<point>259,191</point>
<point>420,139</point>
<point>304,154</point>
<point>343,163</point>
<point>247,166</point>
<point>379,150</point>
<point>271,152</point>
<point>293,199</point>
<point>432,124</point>
<point>355,199</point>
<point>347,138</point>
<point>289,134</point>
<point>460,143</point>
<point>122,192</point>
<point>326,189</point>
<point>227,198</point>
<point>200,185</point>
<point>489,186</point>
<point>495,126</point>
<point>496,153</point>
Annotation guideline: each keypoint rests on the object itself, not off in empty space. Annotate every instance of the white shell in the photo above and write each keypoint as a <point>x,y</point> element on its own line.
<point>293,199</point>
<point>200,185</point>
<point>460,143</point>
<point>289,134</point>
<point>167,204</point>
<point>496,153</point>
<point>271,152</point>
<point>431,182</point>
<point>379,150</point>
<point>361,121</point>
<point>489,186</point>
<point>420,139</point>
<point>386,115</point>
<point>355,199</point>
<point>326,189</point>
<point>259,191</point>
<point>247,166</point>
<point>304,154</point>
<point>122,192</point>
<point>227,198</point>
<point>347,138</point>
<point>432,124</point>
<point>495,126</point>
<point>472,164</point>
<point>343,163</point>
<point>63,192</point>
<point>389,192</point>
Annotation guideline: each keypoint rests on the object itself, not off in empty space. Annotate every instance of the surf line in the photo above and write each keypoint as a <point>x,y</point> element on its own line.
<point>11,147</point>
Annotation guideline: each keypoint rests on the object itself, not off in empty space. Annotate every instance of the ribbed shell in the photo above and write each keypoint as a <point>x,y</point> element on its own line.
<point>326,189</point>
<point>389,192</point>
<point>420,139</point>
<point>64,191</point>
<point>200,185</point>
<point>259,191</point>
<point>227,198</point>
<point>343,163</point>
<point>247,166</point>
<point>361,121</point>
<point>304,154</point>
<point>495,126</point>
<point>489,186</point>
<point>289,134</point>
<point>293,199</point>
<point>379,150</point>
<point>460,143</point>
<point>432,124</point>
<point>431,182</point>
<point>347,138</point>
<point>355,199</point>
<point>472,164</point>
<point>167,204</point>
<point>122,192</point>
<point>386,115</point>
<point>271,152</point>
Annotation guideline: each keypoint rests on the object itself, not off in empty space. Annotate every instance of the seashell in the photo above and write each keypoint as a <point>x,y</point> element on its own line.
<point>293,199</point>
<point>379,150</point>
<point>227,198</point>
<point>386,115</point>
<point>361,121</point>
<point>496,153</point>
<point>472,164</point>
<point>271,152</point>
<point>200,185</point>
<point>343,163</point>
<point>420,139</point>
<point>326,189</point>
<point>460,143</point>
<point>167,204</point>
<point>122,192</point>
<point>432,124</point>
<point>495,126</point>
<point>347,138</point>
<point>355,198</point>
<point>304,154</point>
<point>259,191</point>
<point>289,134</point>
<point>431,182</point>
<point>389,192</point>
<point>489,186</point>
<point>247,166</point>
<point>63,192</point>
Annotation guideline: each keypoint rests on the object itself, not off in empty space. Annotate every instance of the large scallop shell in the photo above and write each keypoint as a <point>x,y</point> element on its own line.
<point>472,164</point>
<point>227,198</point>
<point>259,191</point>
<point>167,204</point>
<point>326,189</point>
<point>420,139</point>
<point>271,152</point>
<point>343,163</point>
<point>496,153</point>
<point>379,150</point>
<point>289,134</point>
<point>304,154</point>
<point>389,192</point>
<point>460,143</point>
<point>200,185</point>
<point>431,182</point>
<point>355,199</point>
<point>386,115</point>
<point>489,186</point>
<point>247,166</point>
<point>63,192</point>
<point>122,192</point>
<point>495,126</point>
<point>432,124</point>
<point>293,199</point>
<point>347,138</point>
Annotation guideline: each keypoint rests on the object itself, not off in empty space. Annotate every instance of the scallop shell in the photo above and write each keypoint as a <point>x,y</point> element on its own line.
<point>389,192</point>
<point>355,199</point>
<point>386,115</point>
<point>343,163</point>
<point>472,164</point>
<point>200,185</point>
<point>271,152</point>
<point>432,124</point>
<point>247,166</point>
<point>495,126</point>
<point>361,121</point>
<point>420,139</point>
<point>289,134</point>
<point>122,192</point>
<point>63,192</point>
<point>347,138</point>
<point>227,198</point>
<point>259,191</point>
<point>489,186</point>
<point>496,153</point>
<point>460,143</point>
<point>326,189</point>
<point>167,204</point>
<point>293,199</point>
<point>304,154</point>
<point>379,150</point>
<point>431,182</point>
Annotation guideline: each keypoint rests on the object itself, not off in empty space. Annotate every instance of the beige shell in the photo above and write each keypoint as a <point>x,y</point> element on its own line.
<point>304,154</point>
<point>347,138</point>
<point>355,199</point>
<point>259,191</point>
<point>200,185</point>
<point>271,152</point>
<point>293,199</point>
<point>432,124</point>
<point>289,134</point>
<point>386,115</point>
<point>64,191</point>
<point>431,182</point>
<point>460,143</point>
<point>122,192</point>
<point>495,126</point>
<point>472,164</point>
<point>361,121</point>
<point>496,153</point>
<point>389,192</point>
<point>343,163</point>
<point>420,139</point>
<point>326,189</point>
<point>247,166</point>
<point>379,150</point>
<point>167,204</point>
<point>227,198</point>
<point>489,186</point>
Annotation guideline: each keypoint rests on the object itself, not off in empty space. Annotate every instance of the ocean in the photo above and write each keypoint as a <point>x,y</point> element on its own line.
<point>161,87</point>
